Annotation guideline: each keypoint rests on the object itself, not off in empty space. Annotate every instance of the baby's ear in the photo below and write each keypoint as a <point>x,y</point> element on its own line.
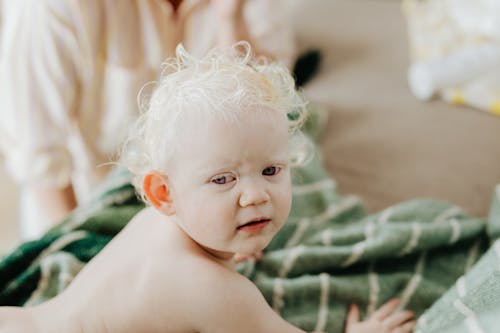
<point>156,189</point>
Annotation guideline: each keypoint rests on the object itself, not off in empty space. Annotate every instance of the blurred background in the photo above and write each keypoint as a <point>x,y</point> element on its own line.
<point>9,235</point>
<point>384,140</point>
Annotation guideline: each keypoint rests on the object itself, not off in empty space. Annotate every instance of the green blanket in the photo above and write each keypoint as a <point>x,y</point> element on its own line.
<point>329,254</point>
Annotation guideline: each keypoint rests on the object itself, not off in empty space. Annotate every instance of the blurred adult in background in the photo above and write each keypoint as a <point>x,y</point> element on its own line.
<point>71,71</point>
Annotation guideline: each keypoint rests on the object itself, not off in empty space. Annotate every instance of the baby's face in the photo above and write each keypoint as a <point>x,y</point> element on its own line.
<point>230,182</point>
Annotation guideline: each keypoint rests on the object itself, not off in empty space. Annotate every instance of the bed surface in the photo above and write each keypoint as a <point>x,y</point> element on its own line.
<point>381,143</point>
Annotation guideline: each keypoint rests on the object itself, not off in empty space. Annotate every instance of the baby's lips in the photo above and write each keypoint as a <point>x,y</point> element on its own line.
<point>258,219</point>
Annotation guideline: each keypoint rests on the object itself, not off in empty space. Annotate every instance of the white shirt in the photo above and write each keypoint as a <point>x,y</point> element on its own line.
<point>71,71</point>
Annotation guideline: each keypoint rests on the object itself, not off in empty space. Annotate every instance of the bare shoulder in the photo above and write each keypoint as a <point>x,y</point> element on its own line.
<point>228,302</point>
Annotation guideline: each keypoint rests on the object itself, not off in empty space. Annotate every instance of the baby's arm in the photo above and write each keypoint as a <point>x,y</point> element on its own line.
<point>14,320</point>
<point>233,304</point>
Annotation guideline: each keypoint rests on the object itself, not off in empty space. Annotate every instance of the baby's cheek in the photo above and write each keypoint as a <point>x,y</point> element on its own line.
<point>283,205</point>
<point>218,212</point>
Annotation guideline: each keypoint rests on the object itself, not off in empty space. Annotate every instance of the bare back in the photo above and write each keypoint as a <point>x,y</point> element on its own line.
<point>153,278</point>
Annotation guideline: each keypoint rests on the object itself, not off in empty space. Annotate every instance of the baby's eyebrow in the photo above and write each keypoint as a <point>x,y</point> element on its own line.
<point>221,164</point>
<point>282,158</point>
<point>205,170</point>
<point>218,163</point>
<point>284,162</point>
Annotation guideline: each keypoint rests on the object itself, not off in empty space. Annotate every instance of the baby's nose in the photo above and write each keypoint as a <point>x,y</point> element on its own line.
<point>254,195</point>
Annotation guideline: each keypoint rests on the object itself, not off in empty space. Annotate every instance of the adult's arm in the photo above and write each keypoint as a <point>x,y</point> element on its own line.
<point>38,93</point>
<point>264,23</point>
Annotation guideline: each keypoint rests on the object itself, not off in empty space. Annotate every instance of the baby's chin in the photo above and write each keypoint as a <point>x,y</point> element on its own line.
<point>254,246</point>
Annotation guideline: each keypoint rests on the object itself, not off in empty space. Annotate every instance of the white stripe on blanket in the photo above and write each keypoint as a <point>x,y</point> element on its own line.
<point>374,290</point>
<point>386,214</point>
<point>470,316</point>
<point>299,232</point>
<point>472,256</point>
<point>412,285</point>
<point>450,212</point>
<point>455,231</point>
<point>278,293</point>
<point>360,247</point>
<point>336,209</point>
<point>461,289</point>
<point>61,243</point>
<point>290,260</point>
<point>416,231</point>
<point>323,302</point>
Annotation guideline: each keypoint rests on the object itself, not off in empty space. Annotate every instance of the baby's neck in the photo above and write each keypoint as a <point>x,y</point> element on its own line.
<point>223,258</point>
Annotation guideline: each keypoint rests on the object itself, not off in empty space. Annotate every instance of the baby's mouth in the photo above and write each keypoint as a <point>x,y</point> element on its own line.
<point>255,224</point>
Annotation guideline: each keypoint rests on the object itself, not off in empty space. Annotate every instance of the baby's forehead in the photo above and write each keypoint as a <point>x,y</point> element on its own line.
<point>258,135</point>
<point>227,117</point>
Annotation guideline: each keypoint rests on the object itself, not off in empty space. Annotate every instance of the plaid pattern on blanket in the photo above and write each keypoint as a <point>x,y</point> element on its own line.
<point>329,254</point>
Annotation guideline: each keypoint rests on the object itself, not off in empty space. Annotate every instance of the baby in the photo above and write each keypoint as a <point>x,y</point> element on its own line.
<point>212,157</point>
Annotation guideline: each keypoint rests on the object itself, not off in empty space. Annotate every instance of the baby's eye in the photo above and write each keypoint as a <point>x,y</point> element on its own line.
<point>223,179</point>
<point>271,171</point>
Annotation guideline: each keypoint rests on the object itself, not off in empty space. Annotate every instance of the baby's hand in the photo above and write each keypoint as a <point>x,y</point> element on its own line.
<point>384,320</point>
<point>239,258</point>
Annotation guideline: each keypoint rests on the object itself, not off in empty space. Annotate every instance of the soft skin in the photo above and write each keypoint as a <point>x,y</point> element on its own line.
<point>242,174</point>
<point>170,269</point>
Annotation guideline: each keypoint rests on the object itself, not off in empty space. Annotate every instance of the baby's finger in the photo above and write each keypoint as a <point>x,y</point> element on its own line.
<point>386,309</point>
<point>406,328</point>
<point>397,319</point>
<point>352,315</point>
<point>239,258</point>
<point>258,255</point>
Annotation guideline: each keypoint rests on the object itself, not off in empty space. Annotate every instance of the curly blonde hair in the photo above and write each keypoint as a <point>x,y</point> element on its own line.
<point>222,84</point>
